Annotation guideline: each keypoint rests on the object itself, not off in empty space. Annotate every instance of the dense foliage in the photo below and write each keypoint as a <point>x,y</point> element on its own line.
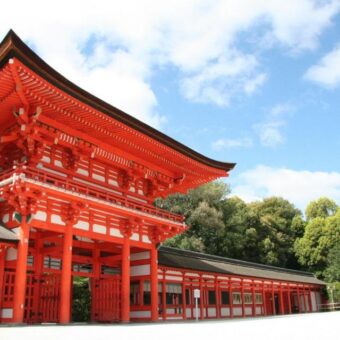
<point>272,231</point>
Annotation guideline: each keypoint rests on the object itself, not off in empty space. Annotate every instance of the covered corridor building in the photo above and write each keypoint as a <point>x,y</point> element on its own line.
<point>77,181</point>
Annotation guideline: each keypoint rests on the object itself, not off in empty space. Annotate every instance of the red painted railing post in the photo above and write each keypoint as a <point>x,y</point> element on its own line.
<point>231,299</point>
<point>264,299</point>
<point>66,277</point>
<point>298,298</point>
<point>21,273</point>
<point>125,312</point>
<point>242,298</point>
<point>281,300</point>
<point>273,299</point>
<point>2,272</point>
<point>154,282</point>
<point>289,301</point>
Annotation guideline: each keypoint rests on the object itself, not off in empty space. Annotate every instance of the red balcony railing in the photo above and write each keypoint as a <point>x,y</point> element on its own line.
<point>87,190</point>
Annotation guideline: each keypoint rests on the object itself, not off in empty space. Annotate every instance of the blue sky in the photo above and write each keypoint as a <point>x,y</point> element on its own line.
<point>253,82</point>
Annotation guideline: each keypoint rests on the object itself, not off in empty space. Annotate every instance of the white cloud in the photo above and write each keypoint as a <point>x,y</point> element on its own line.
<point>282,109</point>
<point>327,71</point>
<point>132,39</point>
<point>299,187</point>
<point>225,143</point>
<point>270,133</point>
<point>270,130</point>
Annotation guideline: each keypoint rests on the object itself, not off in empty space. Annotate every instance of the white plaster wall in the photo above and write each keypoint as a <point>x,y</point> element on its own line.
<point>144,255</point>
<point>57,219</point>
<point>237,311</point>
<point>258,310</point>
<point>140,314</point>
<point>211,312</point>
<point>314,304</point>
<point>82,172</point>
<point>188,312</point>
<point>82,225</point>
<point>140,270</point>
<point>98,177</point>
<point>99,229</point>
<point>115,232</point>
<point>174,278</point>
<point>40,215</point>
<point>225,311</point>
<point>11,254</point>
<point>248,311</point>
<point>7,313</point>
<point>146,239</point>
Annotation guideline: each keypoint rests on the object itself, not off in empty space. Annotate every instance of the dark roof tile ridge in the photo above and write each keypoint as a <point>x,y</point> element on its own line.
<point>190,253</point>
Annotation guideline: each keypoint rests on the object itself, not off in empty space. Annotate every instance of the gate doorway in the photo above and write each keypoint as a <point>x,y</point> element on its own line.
<point>106,299</point>
<point>81,299</point>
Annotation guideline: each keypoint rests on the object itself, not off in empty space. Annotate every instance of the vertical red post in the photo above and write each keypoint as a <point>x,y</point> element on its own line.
<point>125,316</point>
<point>96,263</point>
<point>242,298</point>
<point>66,277</point>
<point>254,298</point>
<point>164,296</point>
<point>2,272</point>
<point>38,267</point>
<point>184,298</point>
<point>305,299</point>
<point>281,301</point>
<point>201,299</point>
<point>310,299</point>
<point>273,299</point>
<point>218,304</point>
<point>21,273</point>
<point>298,298</point>
<point>231,301</point>
<point>264,299</point>
<point>154,282</point>
<point>289,301</point>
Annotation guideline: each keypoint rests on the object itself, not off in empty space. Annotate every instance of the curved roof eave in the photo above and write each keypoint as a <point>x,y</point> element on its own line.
<point>12,46</point>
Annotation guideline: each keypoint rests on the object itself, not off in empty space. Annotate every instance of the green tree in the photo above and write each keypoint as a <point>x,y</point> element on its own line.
<point>323,207</point>
<point>278,223</point>
<point>314,249</point>
<point>201,208</point>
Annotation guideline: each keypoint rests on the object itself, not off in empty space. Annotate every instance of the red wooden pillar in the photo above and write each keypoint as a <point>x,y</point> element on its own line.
<point>125,304</point>
<point>298,298</point>
<point>164,295</point>
<point>242,297</point>
<point>154,282</point>
<point>282,309</point>
<point>231,301</point>
<point>305,299</point>
<point>264,299</point>
<point>253,300</point>
<point>96,263</point>
<point>201,299</point>
<point>218,303</point>
<point>2,271</point>
<point>310,299</point>
<point>184,298</point>
<point>21,273</point>
<point>273,299</point>
<point>289,301</point>
<point>38,268</point>
<point>66,277</point>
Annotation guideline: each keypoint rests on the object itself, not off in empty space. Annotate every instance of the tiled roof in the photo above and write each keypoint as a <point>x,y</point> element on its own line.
<point>178,258</point>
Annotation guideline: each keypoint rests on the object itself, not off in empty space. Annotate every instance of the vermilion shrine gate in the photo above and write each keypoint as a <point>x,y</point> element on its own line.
<point>77,181</point>
<point>78,178</point>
